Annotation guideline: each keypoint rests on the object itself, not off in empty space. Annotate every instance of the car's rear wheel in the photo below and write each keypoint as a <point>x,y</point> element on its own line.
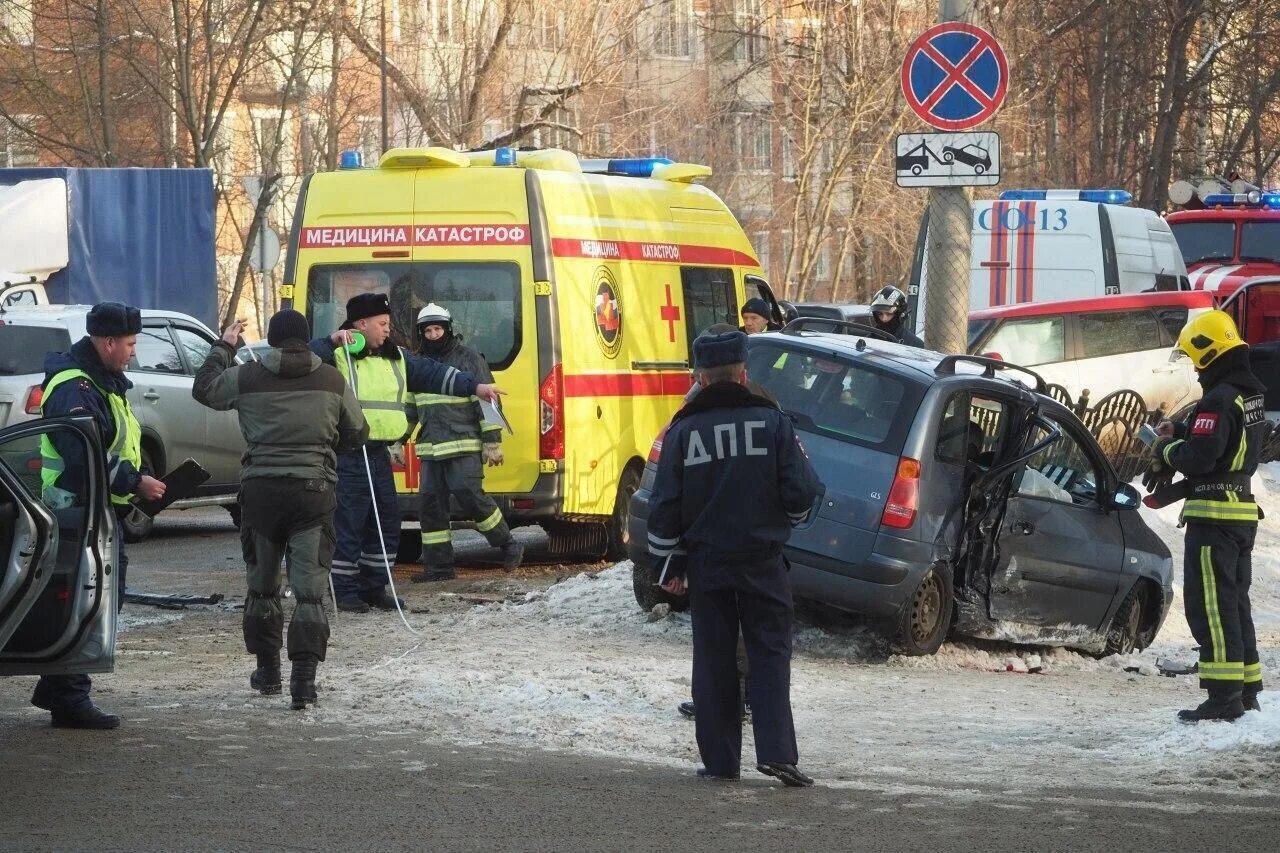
<point>1125,634</point>
<point>644,583</point>
<point>619,535</point>
<point>979,169</point>
<point>137,526</point>
<point>922,625</point>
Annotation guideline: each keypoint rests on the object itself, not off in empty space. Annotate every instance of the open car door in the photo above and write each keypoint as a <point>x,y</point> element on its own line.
<point>58,593</point>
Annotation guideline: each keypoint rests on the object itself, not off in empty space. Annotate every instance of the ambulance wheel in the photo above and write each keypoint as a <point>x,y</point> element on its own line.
<point>644,583</point>
<point>619,536</point>
<point>923,623</point>
<point>136,525</point>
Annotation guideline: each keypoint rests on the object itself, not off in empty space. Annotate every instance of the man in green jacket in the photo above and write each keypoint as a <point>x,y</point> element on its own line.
<point>296,414</point>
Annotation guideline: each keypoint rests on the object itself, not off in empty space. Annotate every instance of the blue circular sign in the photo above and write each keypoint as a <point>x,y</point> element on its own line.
<point>955,76</point>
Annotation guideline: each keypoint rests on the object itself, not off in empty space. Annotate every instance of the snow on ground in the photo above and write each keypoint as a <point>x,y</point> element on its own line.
<point>581,668</point>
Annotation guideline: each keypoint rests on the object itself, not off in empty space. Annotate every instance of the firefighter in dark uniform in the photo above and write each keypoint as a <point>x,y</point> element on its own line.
<point>1216,450</point>
<point>384,378</point>
<point>889,315</point>
<point>454,444</point>
<point>731,481</point>
<point>89,380</point>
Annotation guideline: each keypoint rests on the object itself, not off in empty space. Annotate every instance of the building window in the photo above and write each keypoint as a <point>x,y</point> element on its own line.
<point>822,264</point>
<point>753,142</point>
<point>268,137</point>
<point>224,160</point>
<point>602,139</point>
<point>17,148</point>
<point>750,40</point>
<point>760,241</point>
<point>788,148</point>
<point>370,139</point>
<point>492,130</point>
<point>315,142</point>
<point>673,32</point>
<point>561,134</point>
<point>18,19</point>
<point>546,27</point>
<point>447,20</point>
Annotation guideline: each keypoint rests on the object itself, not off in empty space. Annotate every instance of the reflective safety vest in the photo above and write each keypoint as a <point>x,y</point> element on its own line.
<point>382,392</point>
<point>126,447</point>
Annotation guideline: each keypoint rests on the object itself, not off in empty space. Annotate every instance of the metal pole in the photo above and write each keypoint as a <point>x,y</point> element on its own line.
<point>946,302</point>
<point>382,66</point>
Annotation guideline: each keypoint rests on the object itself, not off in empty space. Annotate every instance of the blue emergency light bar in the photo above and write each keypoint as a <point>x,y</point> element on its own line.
<point>504,156</point>
<point>1253,198</point>
<point>350,159</point>
<point>631,167</point>
<point>1096,196</point>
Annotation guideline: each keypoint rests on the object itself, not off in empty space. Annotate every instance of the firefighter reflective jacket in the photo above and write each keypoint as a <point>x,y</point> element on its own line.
<point>449,425</point>
<point>1217,448</point>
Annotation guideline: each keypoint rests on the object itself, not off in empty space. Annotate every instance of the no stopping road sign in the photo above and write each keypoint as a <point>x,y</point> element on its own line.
<point>955,76</point>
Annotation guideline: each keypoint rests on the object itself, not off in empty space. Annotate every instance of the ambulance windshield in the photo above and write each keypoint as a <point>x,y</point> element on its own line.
<point>1205,241</point>
<point>483,297</point>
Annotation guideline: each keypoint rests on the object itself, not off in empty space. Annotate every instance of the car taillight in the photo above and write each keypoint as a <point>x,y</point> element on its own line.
<point>35,396</point>
<point>904,497</point>
<point>656,451</point>
<point>551,415</point>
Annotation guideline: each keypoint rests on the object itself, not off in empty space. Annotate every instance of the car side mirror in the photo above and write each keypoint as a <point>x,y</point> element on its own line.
<point>1126,497</point>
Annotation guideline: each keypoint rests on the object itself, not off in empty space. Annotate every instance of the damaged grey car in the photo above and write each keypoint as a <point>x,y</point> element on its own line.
<point>959,499</point>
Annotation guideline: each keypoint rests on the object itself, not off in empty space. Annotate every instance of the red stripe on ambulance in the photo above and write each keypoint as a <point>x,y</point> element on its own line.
<point>625,250</point>
<point>1026,236</point>
<point>999,259</point>
<point>627,384</point>
<point>382,236</point>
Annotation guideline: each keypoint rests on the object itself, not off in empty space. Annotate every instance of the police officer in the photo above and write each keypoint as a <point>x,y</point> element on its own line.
<point>731,481</point>
<point>454,444</point>
<point>385,378</point>
<point>1216,450</point>
<point>755,317</point>
<point>889,314</point>
<point>89,380</point>
<point>296,413</point>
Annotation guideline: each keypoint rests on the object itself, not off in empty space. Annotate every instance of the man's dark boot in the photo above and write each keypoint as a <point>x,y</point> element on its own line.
<point>382,599</point>
<point>1222,704</point>
<point>436,573</point>
<point>266,678</point>
<point>512,554</point>
<point>1249,699</point>
<point>302,683</point>
<point>790,775</point>
<point>91,717</point>
<point>352,603</point>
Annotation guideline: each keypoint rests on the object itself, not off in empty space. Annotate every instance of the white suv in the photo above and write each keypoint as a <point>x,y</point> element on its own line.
<point>171,348</point>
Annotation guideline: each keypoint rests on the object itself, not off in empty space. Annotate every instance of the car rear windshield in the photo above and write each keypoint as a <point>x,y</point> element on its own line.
<point>1205,241</point>
<point>483,297</point>
<point>23,348</point>
<point>837,396</point>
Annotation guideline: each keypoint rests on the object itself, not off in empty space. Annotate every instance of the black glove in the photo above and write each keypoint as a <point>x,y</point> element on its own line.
<point>1152,479</point>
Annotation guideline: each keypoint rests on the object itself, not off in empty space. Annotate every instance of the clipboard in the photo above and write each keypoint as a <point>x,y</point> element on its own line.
<point>493,416</point>
<point>179,483</point>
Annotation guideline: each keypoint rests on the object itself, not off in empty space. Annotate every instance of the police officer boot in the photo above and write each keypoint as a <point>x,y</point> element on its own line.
<point>266,678</point>
<point>302,682</point>
<point>1222,704</point>
<point>512,554</point>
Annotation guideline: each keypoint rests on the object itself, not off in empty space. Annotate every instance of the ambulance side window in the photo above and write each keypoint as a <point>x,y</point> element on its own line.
<point>709,298</point>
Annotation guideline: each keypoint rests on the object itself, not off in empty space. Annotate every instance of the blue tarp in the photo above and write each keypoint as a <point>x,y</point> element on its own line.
<point>141,236</point>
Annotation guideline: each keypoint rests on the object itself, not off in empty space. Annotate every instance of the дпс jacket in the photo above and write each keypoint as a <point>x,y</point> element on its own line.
<point>732,477</point>
<point>450,426</point>
<point>296,413</point>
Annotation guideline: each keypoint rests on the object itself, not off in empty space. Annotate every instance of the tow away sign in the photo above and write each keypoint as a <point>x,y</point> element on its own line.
<point>947,159</point>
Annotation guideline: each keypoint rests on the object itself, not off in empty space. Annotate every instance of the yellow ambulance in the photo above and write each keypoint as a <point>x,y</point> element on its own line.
<point>582,282</point>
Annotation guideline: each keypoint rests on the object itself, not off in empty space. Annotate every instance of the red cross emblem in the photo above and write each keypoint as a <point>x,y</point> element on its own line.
<point>671,315</point>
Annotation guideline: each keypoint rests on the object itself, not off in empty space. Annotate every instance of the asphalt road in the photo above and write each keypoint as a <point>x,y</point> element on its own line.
<point>187,773</point>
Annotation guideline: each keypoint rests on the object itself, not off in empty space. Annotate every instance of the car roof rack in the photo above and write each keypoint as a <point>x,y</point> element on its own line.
<point>947,367</point>
<point>800,324</point>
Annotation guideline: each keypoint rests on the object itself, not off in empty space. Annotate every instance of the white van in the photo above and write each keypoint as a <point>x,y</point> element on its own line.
<point>1050,245</point>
